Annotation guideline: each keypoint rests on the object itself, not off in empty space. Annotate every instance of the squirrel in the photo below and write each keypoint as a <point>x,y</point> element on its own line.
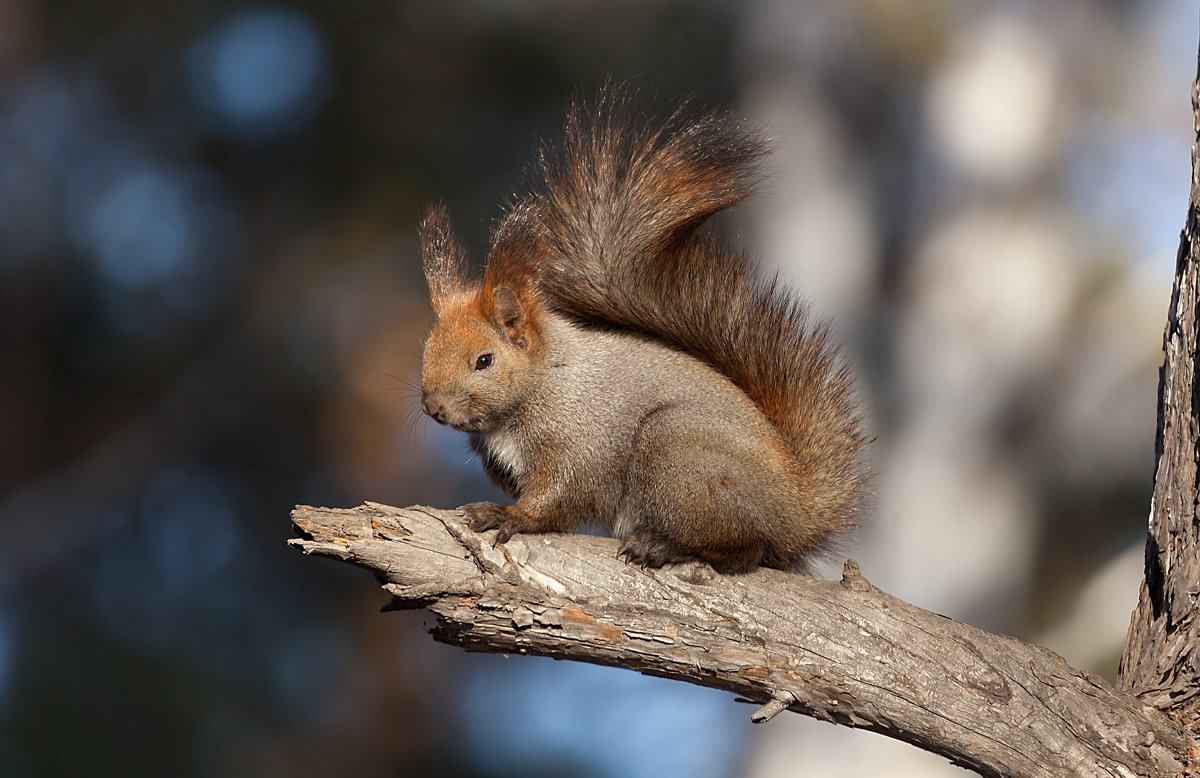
<point>618,364</point>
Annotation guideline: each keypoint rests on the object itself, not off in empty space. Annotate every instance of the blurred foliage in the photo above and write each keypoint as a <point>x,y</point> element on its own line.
<point>210,309</point>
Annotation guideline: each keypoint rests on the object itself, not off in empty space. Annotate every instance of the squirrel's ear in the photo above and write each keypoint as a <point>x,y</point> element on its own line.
<point>442,258</point>
<point>508,312</point>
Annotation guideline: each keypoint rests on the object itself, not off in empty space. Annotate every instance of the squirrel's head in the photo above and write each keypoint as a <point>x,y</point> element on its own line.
<point>478,361</point>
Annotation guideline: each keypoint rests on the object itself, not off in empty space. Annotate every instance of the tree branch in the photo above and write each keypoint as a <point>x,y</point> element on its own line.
<point>843,652</point>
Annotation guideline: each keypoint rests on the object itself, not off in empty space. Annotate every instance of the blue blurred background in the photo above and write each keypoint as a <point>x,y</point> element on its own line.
<point>211,309</point>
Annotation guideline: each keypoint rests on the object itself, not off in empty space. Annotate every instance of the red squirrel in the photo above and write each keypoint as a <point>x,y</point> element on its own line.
<point>620,365</point>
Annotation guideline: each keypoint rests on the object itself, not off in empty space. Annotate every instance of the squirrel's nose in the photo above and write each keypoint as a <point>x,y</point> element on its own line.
<point>434,407</point>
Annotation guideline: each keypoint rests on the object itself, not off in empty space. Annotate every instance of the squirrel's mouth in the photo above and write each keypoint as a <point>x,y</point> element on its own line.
<point>469,424</point>
<point>452,414</point>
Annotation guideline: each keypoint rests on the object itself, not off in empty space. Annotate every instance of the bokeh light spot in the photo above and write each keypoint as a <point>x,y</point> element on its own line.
<point>261,74</point>
<point>140,228</point>
<point>191,528</point>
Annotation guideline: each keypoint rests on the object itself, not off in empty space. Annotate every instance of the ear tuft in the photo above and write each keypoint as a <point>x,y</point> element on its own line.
<point>508,313</point>
<point>443,260</point>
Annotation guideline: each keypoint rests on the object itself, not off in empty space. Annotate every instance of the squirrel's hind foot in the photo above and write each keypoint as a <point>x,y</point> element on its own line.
<point>655,549</point>
<point>652,549</point>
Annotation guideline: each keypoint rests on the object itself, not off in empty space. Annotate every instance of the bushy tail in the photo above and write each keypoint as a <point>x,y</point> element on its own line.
<point>619,191</point>
<point>621,207</point>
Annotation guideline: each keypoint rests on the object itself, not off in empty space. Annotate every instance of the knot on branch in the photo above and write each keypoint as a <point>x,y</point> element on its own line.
<point>852,577</point>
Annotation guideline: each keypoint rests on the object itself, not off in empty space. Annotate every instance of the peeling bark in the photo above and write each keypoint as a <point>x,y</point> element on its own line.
<point>843,652</point>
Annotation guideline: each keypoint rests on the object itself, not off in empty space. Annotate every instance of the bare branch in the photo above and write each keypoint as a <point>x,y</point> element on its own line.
<point>843,652</point>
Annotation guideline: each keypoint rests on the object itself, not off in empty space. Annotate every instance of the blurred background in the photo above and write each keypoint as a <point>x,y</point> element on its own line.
<point>211,309</point>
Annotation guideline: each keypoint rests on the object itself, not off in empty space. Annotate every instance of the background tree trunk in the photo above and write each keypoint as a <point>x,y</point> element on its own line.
<point>1161,663</point>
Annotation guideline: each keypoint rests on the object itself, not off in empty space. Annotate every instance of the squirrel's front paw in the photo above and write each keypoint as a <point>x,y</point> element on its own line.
<point>483,516</point>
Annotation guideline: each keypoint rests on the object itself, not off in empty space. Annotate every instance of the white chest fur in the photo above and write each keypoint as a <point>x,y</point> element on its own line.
<point>505,449</point>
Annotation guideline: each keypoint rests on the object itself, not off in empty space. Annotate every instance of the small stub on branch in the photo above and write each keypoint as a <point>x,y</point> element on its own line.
<point>776,705</point>
<point>852,577</point>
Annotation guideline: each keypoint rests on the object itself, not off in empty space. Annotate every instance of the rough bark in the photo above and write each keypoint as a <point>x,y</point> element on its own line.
<point>1161,663</point>
<point>841,651</point>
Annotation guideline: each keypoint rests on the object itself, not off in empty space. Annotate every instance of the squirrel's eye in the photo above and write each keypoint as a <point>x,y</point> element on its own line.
<point>483,362</point>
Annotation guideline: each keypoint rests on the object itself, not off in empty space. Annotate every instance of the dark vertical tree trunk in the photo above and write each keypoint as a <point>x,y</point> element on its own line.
<point>1161,663</point>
